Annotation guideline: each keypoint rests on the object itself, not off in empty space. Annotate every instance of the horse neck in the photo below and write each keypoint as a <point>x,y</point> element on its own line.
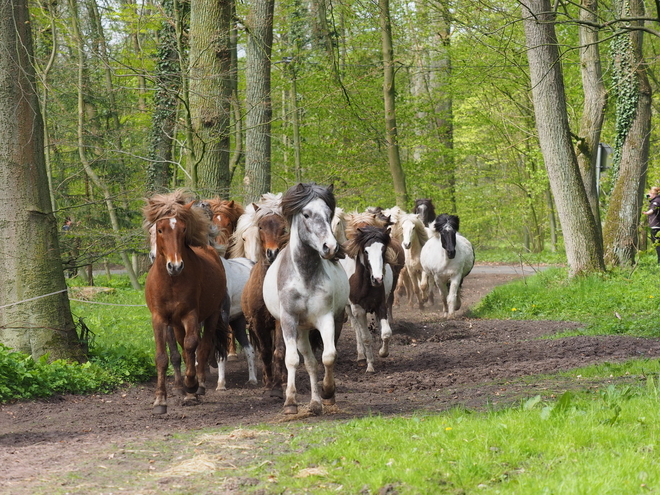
<point>304,257</point>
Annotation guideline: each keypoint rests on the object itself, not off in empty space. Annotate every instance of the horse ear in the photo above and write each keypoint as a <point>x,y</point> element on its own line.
<point>331,188</point>
<point>231,204</point>
<point>256,207</point>
<point>189,205</point>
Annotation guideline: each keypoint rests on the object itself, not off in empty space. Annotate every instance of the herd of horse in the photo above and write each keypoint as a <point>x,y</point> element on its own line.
<point>281,276</point>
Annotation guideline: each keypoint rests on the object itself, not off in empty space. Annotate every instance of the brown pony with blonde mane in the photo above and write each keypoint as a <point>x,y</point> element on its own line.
<point>185,289</point>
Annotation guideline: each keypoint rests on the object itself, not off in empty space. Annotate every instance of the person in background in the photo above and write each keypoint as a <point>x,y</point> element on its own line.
<point>67,224</point>
<point>653,215</point>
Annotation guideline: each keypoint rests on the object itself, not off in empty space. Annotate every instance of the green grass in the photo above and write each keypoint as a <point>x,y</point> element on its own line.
<point>590,443</point>
<point>622,301</point>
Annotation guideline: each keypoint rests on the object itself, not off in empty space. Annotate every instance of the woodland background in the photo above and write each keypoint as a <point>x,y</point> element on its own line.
<point>110,73</point>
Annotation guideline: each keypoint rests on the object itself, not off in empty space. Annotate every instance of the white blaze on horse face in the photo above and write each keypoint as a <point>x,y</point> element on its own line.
<point>376,264</point>
<point>407,228</point>
<point>173,223</point>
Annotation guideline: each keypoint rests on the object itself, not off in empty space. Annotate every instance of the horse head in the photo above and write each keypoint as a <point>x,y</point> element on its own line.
<point>425,210</point>
<point>170,243</point>
<point>447,225</point>
<point>272,235</point>
<point>309,209</point>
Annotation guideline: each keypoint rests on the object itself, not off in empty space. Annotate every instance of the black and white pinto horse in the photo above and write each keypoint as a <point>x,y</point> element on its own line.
<point>447,258</point>
<point>306,289</point>
<point>425,210</point>
<point>370,278</point>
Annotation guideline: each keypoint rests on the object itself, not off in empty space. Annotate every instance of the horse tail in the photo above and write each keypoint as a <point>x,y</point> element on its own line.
<point>220,337</point>
<point>315,340</point>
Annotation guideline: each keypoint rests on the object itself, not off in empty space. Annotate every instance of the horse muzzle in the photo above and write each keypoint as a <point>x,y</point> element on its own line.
<point>328,251</point>
<point>376,281</point>
<point>271,254</point>
<point>406,245</point>
<point>174,269</point>
<point>451,254</point>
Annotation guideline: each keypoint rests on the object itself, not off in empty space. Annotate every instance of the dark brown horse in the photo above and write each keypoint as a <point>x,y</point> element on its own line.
<point>369,270</point>
<point>185,290</point>
<point>273,236</point>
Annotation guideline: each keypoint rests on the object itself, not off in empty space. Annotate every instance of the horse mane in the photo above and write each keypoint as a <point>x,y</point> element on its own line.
<point>300,195</point>
<point>356,220</point>
<point>419,227</point>
<point>178,204</point>
<point>395,215</point>
<point>444,219</point>
<point>368,235</point>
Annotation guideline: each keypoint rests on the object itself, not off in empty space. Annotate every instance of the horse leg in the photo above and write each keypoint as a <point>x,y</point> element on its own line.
<point>290,335</point>
<point>311,365</point>
<point>238,325</point>
<point>160,330</point>
<point>363,335</point>
<point>279,355</point>
<point>385,332</point>
<point>222,382</point>
<point>328,331</point>
<point>175,359</point>
<point>454,298</point>
<point>231,351</point>
<point>442,286</point>
<point>358,335</point>
<point>190,344</point>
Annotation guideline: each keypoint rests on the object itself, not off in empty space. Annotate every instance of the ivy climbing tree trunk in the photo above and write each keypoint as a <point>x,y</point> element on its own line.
<point>389,93</point>
<point>163,120</point>
<point>631,154</point>
<point>35,317</point>
<point>210,93</point>
<point>583,250</point>
<point>259,109</point>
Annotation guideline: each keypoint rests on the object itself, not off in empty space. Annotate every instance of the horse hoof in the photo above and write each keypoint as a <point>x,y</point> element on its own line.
<point>291,409</point>
<point>160,409</point>
<point>201,391</point>
<point>315,408</point>
<point>362,362</point>
<point>232,357</point>
<point>370,368</point>
<point>329,402</point>
<point>190,400</point>
<point>383,353</point>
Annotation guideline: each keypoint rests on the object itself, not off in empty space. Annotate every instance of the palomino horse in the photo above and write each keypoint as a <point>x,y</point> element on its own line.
<point>305,290</point>
<point>414,238</point>
<point>272,236</point>
<point>447,258</point>
<point>185,289</point>
<point>369,271</point>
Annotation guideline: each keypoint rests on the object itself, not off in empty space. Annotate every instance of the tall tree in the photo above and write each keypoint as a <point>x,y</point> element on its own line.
<point>595,99</point>
<point>34,307</point>
<point>258,104</point>
<point>210,93</point>
<point>631,153</point>
<point>584,252</point>
<point>389,93</point>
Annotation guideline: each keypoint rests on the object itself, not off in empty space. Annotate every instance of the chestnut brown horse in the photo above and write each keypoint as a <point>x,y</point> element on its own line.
<point>185,290</point>
<point>272,237</point>
<point>225,217</point>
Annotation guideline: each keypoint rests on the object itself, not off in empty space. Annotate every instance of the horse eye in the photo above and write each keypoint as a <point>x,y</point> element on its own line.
<point>306,215</point>
<point>160,231</point>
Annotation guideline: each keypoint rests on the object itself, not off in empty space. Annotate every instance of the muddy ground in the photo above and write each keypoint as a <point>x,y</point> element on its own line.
<point>434,365</point>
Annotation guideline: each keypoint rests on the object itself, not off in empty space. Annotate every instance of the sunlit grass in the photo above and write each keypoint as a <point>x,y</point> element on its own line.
<point>591,443</point>
<point>622,301</point>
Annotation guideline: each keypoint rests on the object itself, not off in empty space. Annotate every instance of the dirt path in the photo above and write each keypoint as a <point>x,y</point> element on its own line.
<point>433,365</point>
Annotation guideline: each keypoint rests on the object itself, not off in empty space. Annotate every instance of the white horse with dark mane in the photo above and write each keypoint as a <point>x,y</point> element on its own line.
<point>447,258</point>
<point>305,289</point>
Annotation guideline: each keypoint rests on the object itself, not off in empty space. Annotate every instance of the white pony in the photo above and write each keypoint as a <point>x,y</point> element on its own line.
<point>447,258</point>
<point>238,271</point>
<point>305,289</point>
<point>414,236</point>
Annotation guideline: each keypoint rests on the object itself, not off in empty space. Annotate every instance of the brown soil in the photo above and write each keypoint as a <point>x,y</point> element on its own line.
<point>434,365</point>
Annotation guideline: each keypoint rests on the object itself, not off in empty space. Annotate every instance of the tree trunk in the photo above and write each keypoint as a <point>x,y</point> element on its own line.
<point>210,93</point>
<point>257,100</point>
<point>29,248</point>
<point>237,123</point>
<point>584,252</point>
<point>163,120</point>
<point>595,99</point>
<point>391,131</point>
<point>107,196</point>
<point>622,218</point>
